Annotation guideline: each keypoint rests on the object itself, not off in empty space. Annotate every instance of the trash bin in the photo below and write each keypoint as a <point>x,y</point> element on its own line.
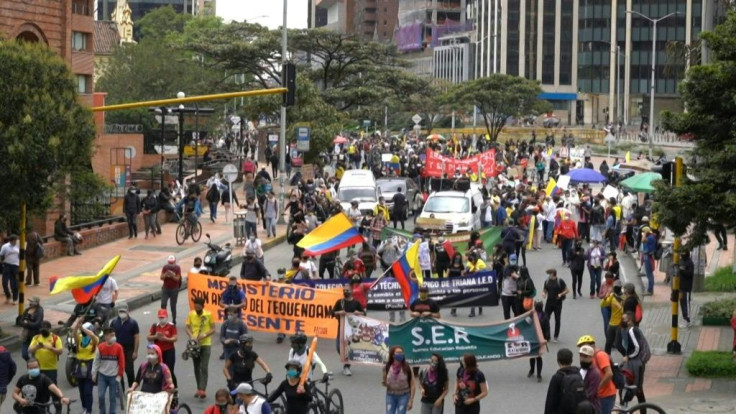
<point>239,228</point>
<point>700,261</point>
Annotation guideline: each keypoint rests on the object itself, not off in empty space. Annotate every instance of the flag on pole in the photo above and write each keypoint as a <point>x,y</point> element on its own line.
<point>334,234</point>
<point>83,288</point>
<point>403,270</point>
<point>628,156</point>
<point>551,187</point>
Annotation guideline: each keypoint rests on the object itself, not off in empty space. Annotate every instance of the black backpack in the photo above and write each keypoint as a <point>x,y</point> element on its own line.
<point>596,215</point>
<point>573,392</point>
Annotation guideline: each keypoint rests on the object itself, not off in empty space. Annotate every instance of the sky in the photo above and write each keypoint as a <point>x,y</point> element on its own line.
<point>264,12</point>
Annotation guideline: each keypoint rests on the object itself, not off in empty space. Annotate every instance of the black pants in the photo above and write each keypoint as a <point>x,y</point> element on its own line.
<point>329,266</point>
<point>577,281</point>
<point>509,304</point>
<point>554,307</point>
<point>441,269</point>
<point>399,221</point>
<point>719,231</point>
<point>129,364</point>
<point>169,357</point>
<point>610,338</point>
<point>53,376</point>
<point>473,408</point>
<point>538,362</point>
<point>584,231</point>
<point>132,224</point>
<point>685,297</point>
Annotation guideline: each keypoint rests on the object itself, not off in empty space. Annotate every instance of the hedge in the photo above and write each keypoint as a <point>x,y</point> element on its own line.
<point>711,364</point>
<point>723,280</point>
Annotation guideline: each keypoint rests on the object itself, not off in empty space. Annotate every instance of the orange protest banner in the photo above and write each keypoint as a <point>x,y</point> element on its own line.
<point>272,307</point>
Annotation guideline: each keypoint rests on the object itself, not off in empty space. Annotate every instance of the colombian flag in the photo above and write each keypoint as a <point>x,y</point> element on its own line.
<point>333,234</point>
<point>403,269</point>
<point>83,288</point>
<point>551,187</point>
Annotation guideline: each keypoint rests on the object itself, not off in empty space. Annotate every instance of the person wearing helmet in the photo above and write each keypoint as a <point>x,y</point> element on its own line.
<point>239,366</point>
<point>298,352</point>
<point>602,361</point>
<point>171,277</point>
<point>297,396</point>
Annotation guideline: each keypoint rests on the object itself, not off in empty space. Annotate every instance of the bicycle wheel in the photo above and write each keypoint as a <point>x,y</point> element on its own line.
<point>314,409</point>
<point>334,402</point>
<point>277,408</point>
<point>183,408</point>
<point>646,406</point>
<point>196,232</point>
<point>181,234</point>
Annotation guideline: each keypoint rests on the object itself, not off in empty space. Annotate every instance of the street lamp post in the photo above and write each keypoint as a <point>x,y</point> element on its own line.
<point>654,61</point>
<point>164,110</point>
<point>181,95</point>
<point>282,135</point>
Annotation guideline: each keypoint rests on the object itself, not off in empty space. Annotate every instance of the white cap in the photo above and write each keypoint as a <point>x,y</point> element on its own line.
<point>171,259</point>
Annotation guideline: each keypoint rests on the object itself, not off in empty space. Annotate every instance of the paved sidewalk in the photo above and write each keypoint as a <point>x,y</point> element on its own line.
<point>137,273</point>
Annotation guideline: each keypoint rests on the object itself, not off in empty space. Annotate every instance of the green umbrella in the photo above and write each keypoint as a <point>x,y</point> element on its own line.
<point>641,183</point>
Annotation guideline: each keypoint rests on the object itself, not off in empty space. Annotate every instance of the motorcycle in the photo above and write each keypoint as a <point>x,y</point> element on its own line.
<point>89,312</point>
<point>218,260</point>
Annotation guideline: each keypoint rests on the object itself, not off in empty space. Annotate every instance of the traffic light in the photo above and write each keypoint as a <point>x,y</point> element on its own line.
<point>288,76</point>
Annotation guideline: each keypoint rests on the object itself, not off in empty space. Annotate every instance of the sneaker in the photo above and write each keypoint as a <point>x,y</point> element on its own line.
<point>539,378</point>
<point>529,375</point>
<point>346,371</point>
<point>554,339</point>
<point>685,324</point>
<point>574,295</point>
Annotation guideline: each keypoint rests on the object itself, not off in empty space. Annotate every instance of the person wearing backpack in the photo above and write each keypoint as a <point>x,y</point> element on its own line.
<point>591,375</point>
<point>566,388</point>
<point>607,389</point>
<point>544,324</point>
<point>597,220</point>
<point>555,291</point>
<point>632,344</point>
<point>614,302</point>
<point>213,195</point>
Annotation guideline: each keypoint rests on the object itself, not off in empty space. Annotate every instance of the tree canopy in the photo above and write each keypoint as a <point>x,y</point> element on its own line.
<point>708,93</point>
<point>46,133</point>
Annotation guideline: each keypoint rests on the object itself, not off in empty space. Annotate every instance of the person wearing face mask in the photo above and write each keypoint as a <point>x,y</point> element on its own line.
<point>298,396</point>
<point>46,348</point>
<point>347,305</point>
<point>200,327</point>
<point>254,245</point>
<point>87,343</point>
<point>434,382</point>
<point>223,403</point>
<point>298,352</point>
<point>107,369</point>
<point>127,333</point>
<point>31,323</point>
<point>606,394</point>
<point>628,342</point>
<point>252,269</point>
<point>171,283</point>
<point>34,388</point>
<point>153,375</point>
<point>398,379</point>
<point>131,208</point>
<point>197,265</point>
<point>233,298</point>
<point>230,331</point>
<point>164,335</point>
<point>612,310</point>
<point>239,365</point>
<point>591,375</point>
<point>423,306</point>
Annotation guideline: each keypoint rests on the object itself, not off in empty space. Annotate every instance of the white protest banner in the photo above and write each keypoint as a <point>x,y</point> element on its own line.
<point>147,403</point>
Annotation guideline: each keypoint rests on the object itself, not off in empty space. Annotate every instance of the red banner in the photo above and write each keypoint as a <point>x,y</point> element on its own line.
<point>436,164</point>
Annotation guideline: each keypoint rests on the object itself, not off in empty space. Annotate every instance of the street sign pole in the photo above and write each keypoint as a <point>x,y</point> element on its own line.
<point>230,172</point>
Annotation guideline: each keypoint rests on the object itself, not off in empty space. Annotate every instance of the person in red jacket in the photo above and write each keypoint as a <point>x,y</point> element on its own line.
<point>164,335</point>
<point>107,369</point>
<point>567,232</point>
<point>223,402</point>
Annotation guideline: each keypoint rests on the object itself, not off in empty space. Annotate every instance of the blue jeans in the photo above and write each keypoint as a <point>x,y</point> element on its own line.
<point>607,404</point>
<point>85,392</point>
<point>595,279</point>
<point>251,227</point>
<point>103,384</point>
<point>24,349</point>
<point>648,268</point>
<point>10,281</point>
<point>397,404</point>
<point>549,230</point>
<point>213,210</point>
<point>271,226</point>
<point>566,249</point>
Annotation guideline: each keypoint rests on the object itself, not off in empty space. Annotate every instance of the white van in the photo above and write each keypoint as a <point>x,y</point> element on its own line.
<point>460,210</point>
<point>358,185</point>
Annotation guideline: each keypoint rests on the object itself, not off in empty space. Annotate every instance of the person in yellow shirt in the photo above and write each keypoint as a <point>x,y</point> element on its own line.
<point>475,264</point>
<point>614,303</point>
<point>86,345</point>
<point>46,347</point>
<point>200,327</point>
<point>382,208</point>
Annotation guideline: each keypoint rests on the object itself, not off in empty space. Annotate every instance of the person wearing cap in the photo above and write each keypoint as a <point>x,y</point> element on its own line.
<point>423,306</point>
<point>30,323</point>
<point>164,335</point>
<point>87,343</point>
<point>10,256</point>
<point>128,336</point>
<point>252,402</point>
<point>200,328</point>
<point>107,367</point>
<point>602,361</point>
<point>171,278</point>
<point>591,375</point>
<point>554,291</point>
<point>297,396</point>
<point>649,246</point>
<point>46,347</point>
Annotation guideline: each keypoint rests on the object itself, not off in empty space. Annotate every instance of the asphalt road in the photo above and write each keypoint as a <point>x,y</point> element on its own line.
<point>509,388</point>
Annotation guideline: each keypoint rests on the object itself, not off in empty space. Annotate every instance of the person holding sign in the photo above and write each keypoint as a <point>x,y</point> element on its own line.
<point>153,375</point>
<point>342,307</point>
<point>423,306</point>
<point>200,327</point>
<point>297,396</point>
<point>298,352</point>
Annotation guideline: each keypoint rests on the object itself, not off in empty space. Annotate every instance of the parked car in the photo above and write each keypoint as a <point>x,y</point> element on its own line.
<point>389,186</point>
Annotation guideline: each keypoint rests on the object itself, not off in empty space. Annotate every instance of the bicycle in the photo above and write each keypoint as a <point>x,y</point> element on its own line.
<point>186,229</point>
<point>623,408</point>
<point>327,401</point>
<point>276,408</point>
<point>175,407</point>
<point>46,407</point>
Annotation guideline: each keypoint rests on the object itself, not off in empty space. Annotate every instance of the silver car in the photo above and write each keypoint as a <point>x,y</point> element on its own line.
<point>389,186</point>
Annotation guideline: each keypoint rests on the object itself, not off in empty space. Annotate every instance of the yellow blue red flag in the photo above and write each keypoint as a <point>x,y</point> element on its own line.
<point>408,273</point>
<point>551,187</point>
<point>334,234</point>
<point>83,288</point>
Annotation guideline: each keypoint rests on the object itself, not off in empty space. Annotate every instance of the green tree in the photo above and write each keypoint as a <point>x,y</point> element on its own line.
<point>708,92</point>
<point>498,97</point>
<point>47,134</point>
<point>159,23</point>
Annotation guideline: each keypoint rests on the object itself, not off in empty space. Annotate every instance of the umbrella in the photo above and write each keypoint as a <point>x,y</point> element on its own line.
<point>585,175</point>
<point>641,183</point>
<point>340,140</point>
<point>435,137</point>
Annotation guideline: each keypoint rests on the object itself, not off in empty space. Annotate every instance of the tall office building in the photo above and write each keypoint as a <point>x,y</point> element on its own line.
<point>371,20</point>
<point>140,7</point>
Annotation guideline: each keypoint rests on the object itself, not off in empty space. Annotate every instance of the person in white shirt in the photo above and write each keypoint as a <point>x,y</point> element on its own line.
<point>298,352</point>
<point>10,255</point>
<point>253,244</point>
<point>197,265</point>
<point>308,267</point>
<point>549,219</point>
<point>354,213</point>
<point>107,296</point>
<point>252,402</point>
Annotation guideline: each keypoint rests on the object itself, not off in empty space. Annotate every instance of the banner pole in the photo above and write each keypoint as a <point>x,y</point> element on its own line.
<point>380,277</point>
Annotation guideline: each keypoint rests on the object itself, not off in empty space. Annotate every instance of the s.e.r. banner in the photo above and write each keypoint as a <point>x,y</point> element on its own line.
<point>272,307</point>
<point>363,340</point>
<point>512,338</point>
<point>479,289</point>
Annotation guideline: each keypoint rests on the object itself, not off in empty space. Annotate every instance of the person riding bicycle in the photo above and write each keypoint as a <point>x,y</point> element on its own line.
<point>239,367</point>
<point>298,396</point>
<point>192,209</point>
<point>153,375</point>
<point>298,352</point>
<point>252,402</point>
<point>33,391</point>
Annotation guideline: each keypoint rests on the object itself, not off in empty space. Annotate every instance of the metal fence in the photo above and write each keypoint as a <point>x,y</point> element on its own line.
<point>660,138</point>
<point>93,210</point>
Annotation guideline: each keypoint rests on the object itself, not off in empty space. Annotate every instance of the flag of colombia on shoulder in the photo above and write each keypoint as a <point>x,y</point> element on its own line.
<point>334,234</point>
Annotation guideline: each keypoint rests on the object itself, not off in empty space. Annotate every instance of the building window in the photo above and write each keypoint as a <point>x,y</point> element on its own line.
<point>83,84</point>
<point>548,44</point>
<point>79,41</point>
